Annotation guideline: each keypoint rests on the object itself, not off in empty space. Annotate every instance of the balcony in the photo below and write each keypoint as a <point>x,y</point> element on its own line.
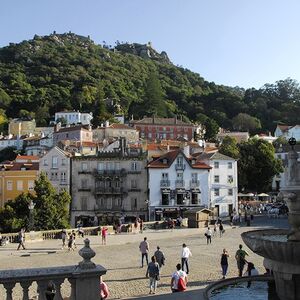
<point>112,173</point>
<point>84,189</point>
<point>110,190</point>
<point>84,172</point>
<point>180,167</point>
<point>134,172</point>
<point>194,183</point>
<point>83,279</point>
<point>179,183</point>
<point>165,183</point>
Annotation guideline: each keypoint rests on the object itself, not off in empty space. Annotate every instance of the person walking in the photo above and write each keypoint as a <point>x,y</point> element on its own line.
<point>160,257</point>
<point>104,292</point>
<point>208,235</point>
<point>240,259</point>
<point>224,262</point>
<point>179,280</point>
<point>144,248</point>
<point>153,274</point>
<point>185,254</point>
<point>21,239</point>
<point>63,238</point>
<point>104,231</point>
<point>221,229</point>
<point>215,229</point>
<point>74,239</point>
<point>141,225</point>
<point>71,242</point>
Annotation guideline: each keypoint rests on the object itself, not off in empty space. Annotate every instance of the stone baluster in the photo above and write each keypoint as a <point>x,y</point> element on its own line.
<point>25,286</point>
<point>9,289</point>
<point>58,283</point>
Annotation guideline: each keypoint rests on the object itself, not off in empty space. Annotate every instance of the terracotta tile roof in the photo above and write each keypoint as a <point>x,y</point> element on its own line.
<point>160,121</point>
<point>120,126</point>
<point>171,156</point>
<point>72,128</point>
<point>18,166</point>
<point>27,157</point>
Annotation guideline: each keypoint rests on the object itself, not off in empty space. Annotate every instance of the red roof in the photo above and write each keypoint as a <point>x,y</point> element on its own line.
<point>18,166</point>
<point>27,157</point>
<point>120,126</point>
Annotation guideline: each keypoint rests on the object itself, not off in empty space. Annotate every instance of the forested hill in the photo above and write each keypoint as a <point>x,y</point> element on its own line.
<point>66,71</point>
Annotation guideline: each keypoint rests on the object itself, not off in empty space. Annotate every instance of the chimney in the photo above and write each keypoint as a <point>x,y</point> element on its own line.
<point>186,150</point>
<point>106,124</point>
<point>168,147</point>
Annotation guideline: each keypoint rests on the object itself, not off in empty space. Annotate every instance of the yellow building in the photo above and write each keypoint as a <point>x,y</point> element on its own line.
<point>17,177</point>
<point>21,126</point>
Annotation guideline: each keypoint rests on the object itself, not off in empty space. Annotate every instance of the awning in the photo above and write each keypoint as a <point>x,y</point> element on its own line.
<point>195,190</point>
<point>263,195</point>
<point>165,191</point>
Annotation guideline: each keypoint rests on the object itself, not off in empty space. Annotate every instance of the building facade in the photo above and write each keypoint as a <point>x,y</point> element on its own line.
<point>56,164</point>
<point>109,187</point>
<point>177,183</point>
<point>288,131</point>
<point>20,126</point>
<point>17,177</point>
<point>164,128</point>
<point>223,182</point>
<point>74,117</point>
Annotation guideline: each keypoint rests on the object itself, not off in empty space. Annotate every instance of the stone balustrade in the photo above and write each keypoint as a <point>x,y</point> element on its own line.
<point>83,278</point>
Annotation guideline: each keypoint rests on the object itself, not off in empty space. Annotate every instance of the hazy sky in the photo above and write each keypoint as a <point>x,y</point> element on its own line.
<point>232,42</point>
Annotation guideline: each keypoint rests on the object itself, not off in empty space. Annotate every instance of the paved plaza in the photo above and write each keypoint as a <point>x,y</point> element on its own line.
<point>121,256</point>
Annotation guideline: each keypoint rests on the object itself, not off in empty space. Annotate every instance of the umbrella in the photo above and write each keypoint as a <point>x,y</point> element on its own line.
<point>263,195</point>
<point>250,195</point>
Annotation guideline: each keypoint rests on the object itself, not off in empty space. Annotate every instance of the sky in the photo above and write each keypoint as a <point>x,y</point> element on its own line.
<point>231,42</point>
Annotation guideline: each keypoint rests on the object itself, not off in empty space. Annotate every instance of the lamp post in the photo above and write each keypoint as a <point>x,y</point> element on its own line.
<point>148,208</point>
<point>31,206</point>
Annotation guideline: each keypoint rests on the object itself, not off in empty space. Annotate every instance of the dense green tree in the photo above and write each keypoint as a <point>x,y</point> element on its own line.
<point>211,129</point>
<point>257,165</point>
<point>229,147</point>
<point>244,122</point>
<point>8,153</point>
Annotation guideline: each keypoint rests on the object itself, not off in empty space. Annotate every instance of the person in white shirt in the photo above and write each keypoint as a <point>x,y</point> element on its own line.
<point>185,254</point>
<point>175,279</point>
<point>208,235</point>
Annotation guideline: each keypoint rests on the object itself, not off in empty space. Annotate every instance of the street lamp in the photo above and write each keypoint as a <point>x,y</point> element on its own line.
<point>31,206</point>
<point>148,208</point>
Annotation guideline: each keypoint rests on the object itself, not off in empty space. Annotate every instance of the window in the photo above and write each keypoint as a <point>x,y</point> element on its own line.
<point>117,184</point>
<point>84,203</point>
<point>230,192</point>
<point>63,177</point>
<point>194,177</point>
<point>180,160</point>
<point>30,185</point>
<point>20,185</point>
<point>217,192</point>
<point>230,165</point>
<point>150,135</point>
<point>179,176</point>
<point>216,165</point>
<point>117,166</point>
<point>134,166</point>
<point>109,203</point>
<point>230,179</point>
<point>45,162</point>
<point>165,176</point>
<point>133,183</point>
<point>216,178</point>
<point>9,185</point>
<point>134,203</point>
<point>84,166</point>
<point>118,202</point>
<point>54,162</point>
<point>100,166</point>
<point>109,166</point>
<point>53,176</point>
<point>63,162</point>
<point>84,183</point>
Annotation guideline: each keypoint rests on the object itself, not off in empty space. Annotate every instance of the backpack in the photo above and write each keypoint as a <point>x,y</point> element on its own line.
<point>181,284</point>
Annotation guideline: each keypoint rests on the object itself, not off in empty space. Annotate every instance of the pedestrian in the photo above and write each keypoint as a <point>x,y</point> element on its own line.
<point>71,242</point>
<point>21,239</point>
<point>144,248</point>
<point>215,229</point>
<point>179,280</point>
<point>80,231</point>
<point>74,239</point>
<point>251,270</point>
<point>240,259</point>
<point>141,225</point>
<point>104,231</point>
<point>208,235</point>
<point>221,229</point>
<point>153,274</point>
<point>50,291</point>
<point>104,292</point>
<point>160,257</point>
<point>185,254</point>
<point>224,262</point>
<point>63,238</point>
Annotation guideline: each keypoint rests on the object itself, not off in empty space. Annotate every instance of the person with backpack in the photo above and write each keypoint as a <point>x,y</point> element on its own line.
<point>153,274</point>
<point>179,280</point>
<point>240,259</point>
<point>160,257</point>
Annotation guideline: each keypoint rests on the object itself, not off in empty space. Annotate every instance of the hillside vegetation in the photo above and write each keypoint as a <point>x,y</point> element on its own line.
<point>66,71</point>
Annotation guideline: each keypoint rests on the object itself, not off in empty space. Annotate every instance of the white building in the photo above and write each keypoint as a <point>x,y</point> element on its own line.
<point>74,117</point>
<point>287,131</point>
<point>56,164</point>
<point>11,141</point>
<point>223,182</point>
<point>177,183</point>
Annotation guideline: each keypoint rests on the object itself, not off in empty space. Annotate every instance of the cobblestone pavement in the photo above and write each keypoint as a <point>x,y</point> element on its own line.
<point>121,257</point>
